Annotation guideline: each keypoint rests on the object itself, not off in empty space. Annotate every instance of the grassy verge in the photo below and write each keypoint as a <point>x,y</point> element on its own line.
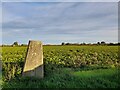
<point>0,79</point>
<point>70,78</point>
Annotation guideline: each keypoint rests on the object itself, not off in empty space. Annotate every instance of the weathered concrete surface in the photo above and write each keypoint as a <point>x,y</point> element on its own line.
<point>34,60</point>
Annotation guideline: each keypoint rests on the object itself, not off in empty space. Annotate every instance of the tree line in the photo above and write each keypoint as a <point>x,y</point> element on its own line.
<point>98,43</point>
<point>63,43</point>
<point>15,44</point>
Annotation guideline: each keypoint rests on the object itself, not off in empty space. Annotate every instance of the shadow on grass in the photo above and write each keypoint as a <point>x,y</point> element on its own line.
<point>69,78</point>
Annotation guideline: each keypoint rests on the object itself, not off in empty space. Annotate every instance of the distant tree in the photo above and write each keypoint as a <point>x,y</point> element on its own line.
<point>111,43</point>
<point>23,44</point>
<point>103,43</point>
<point>67,44</point>
<point>15,43</point>
<point>98,43</point>
<point>63,43</point>
<point>83,43</point>
<point>76,44</point>
<point>89,43</point>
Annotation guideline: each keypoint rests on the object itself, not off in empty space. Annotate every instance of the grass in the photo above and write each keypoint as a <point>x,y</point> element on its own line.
<point>61,72</point>
<point>0,79</point>
<point>95,73</point>
<point>70,78</point>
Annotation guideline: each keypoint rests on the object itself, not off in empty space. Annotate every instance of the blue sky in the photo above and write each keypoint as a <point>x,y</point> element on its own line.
<point>54,23</point>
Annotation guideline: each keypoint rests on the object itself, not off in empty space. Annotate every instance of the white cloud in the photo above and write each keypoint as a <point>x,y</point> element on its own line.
<point>69,21</point>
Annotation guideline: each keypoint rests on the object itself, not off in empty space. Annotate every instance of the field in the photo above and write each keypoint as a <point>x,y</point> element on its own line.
<point>65,67</point>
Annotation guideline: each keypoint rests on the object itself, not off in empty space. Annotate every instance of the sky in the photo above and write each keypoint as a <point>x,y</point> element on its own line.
<point>57,22</point>
<point>60,0</point>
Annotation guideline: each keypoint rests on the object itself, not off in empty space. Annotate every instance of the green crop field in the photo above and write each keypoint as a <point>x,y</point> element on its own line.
<point>64,67</point>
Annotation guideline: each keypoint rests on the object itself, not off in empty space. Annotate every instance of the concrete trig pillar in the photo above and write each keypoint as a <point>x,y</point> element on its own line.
<point>34,60</point>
